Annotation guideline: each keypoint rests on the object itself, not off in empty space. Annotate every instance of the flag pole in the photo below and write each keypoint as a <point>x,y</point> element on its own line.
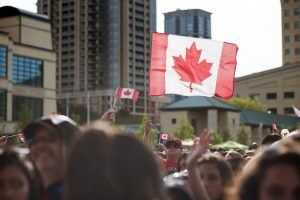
<point>68,103</point>
<point>115,99</point>
<point>88,107</point>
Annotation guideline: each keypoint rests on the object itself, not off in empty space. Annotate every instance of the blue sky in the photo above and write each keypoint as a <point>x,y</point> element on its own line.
<point>254,25</point>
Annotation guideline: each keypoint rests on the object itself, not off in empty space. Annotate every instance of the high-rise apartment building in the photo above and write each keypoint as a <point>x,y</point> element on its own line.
<point>290,12</point>
<point>102,44</point>
<point>193,22</point>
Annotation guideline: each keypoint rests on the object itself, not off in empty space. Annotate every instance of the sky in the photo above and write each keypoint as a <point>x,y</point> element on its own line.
<point>254,25</point>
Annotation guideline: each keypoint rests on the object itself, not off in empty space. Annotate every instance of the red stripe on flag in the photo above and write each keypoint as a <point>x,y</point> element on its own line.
<point>158,63</point>
<point>227,66</point>
<point>119,93</point>
<point>135,95</point>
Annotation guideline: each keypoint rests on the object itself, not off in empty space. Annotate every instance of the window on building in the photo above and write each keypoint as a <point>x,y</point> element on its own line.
<point>27,71</point>
<point>297,38</point>
<point>254,96</point>
<point>177,25</point>
<point>272,110</point>
<point>286,12</point>
<point>287,39</point>
<point>297,51</point>
<point>286,25</point>
<point>296,11</point>
<point>297,24</point>
<point>287,52</point>
<point>288,110</point>
<point>272,95</point>
<point>286,1</point>
<point>174,121</point>
<point>3,103</point>
<point>3,61</point>
<point>233,121</point>
<point>289,95</point>
<point>34,104</point>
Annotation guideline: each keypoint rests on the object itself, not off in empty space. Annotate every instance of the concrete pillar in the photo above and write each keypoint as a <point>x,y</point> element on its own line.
<point>212,119</point>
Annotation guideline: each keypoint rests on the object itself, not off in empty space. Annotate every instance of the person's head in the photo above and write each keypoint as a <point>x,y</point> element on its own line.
<point>18,178</point>
<point>46,138</point>
<point>235,159</point>
<point>270,139</point>
<point>181,165</point>
<point>253,146</point>
<point>116,166</point>
<point>273,174</point>
<point>215,173</point>
<point>221,151</point>
<point>173,148</point>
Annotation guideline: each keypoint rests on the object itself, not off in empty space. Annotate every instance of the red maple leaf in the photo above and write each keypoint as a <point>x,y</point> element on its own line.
<point>127,93</point>
<point>190,69</point>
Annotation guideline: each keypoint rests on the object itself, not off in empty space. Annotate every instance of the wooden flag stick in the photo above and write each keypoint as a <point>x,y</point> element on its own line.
<point>115,100</point>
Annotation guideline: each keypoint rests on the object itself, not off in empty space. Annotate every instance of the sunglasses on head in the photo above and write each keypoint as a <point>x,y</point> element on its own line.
<point>51,137</point>
<point>172,144</point>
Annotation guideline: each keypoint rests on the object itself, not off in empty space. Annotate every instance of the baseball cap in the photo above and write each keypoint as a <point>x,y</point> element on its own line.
<point>175,140</point>
<point>55,123</point>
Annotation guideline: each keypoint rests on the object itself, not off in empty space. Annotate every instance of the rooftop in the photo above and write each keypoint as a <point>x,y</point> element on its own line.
<point>199,102</point>
<point>9,11</point>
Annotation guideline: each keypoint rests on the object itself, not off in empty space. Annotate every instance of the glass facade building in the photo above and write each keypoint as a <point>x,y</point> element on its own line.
<point>27,71</point>
<point>34,104</point>
<point>3,61</point>
<point>194,23</point>
<point>3,102</point>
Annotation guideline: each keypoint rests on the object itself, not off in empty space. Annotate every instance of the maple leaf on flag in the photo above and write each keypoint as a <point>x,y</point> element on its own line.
<point>190,69</point>
<point>127,93</point>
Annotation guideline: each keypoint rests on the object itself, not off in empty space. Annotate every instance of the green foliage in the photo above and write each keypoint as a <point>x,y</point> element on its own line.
<point>124,117</point>
<point>247,103</point>
<point>184,130</point>
<point>2,126</point>
<point>78,113</point>
<point>226,135</point>
<point>243,136</point>
<point>25,117</point>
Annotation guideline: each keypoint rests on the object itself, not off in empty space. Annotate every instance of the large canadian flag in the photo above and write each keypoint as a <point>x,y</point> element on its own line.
<point>191,66</point>
<point>127,93</point>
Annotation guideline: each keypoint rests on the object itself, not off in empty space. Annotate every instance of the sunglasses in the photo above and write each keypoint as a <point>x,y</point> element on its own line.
<point>46,139</point>
<point>172,144</point>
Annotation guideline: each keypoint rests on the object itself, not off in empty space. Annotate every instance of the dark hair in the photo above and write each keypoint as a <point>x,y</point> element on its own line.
<point>11,158</point>
<point>237,160</point>
<point>255,170</point>
<point>102,166</point>
<point>222,166</point>
<point>270,139</point>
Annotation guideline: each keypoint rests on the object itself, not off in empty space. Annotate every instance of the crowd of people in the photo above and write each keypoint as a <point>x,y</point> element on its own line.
<point>99,161</point>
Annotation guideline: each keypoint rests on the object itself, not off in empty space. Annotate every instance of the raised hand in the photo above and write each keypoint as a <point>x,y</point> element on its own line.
<point>109,116</point>
<point>148,127</point>
<point>199,148</point>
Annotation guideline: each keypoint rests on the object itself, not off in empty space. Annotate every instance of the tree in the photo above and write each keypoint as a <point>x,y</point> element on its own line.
<point>184,130</point>
<point>247,103</point>
<point>2,126</point>
<point>124,117</point>
<point>25,117</point>
<point>243,136</point>
<point>226,135</point>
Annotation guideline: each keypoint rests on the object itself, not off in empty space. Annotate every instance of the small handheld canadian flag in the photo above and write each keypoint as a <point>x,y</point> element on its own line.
<point>164,136</point>
<point>191,66</point>
<point>21,137</point>
<point>127,93</point>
